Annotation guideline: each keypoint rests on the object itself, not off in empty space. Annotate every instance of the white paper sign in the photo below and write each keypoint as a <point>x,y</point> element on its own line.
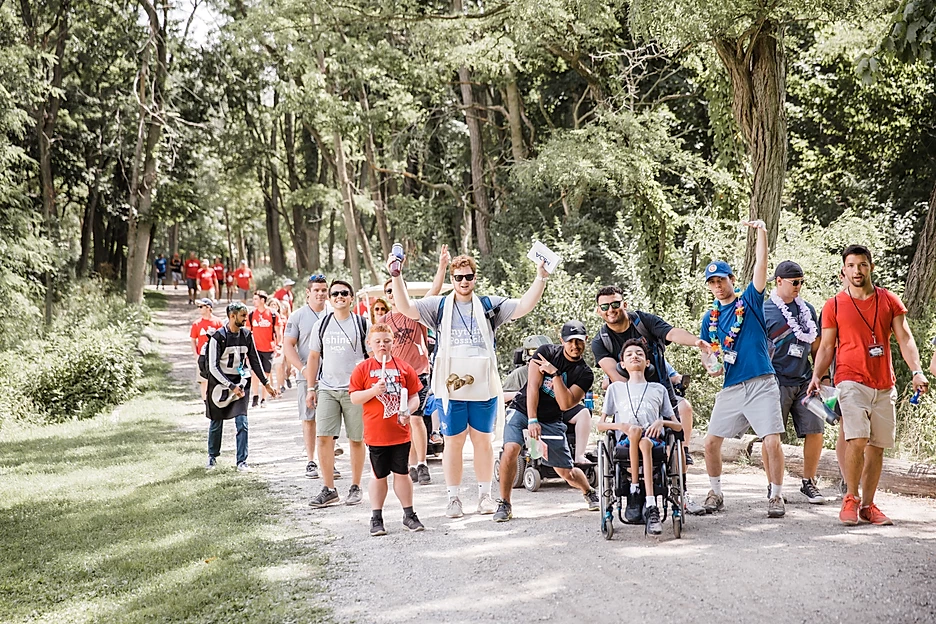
<point>539,251</point>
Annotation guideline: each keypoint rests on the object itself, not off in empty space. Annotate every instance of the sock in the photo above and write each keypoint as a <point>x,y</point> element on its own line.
<point>422,463</point>
<point>484,488</point>
<point>716,484</point>
<point>635,487</point>
<point>377,514</point>
<point>650,503</point>
<point>776,490</point>
<point>452,491</point>
<point>408,512</point>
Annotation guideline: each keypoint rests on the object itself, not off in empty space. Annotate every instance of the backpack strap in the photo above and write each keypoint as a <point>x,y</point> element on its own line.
<point>322,327</point>
<point>605,338</point>
<point>250,319</point>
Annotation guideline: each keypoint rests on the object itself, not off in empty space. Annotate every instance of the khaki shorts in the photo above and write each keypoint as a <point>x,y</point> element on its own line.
<point>868,413</point>
<point>335,406</point>
<point>305,413</point>
<point>754,403</point>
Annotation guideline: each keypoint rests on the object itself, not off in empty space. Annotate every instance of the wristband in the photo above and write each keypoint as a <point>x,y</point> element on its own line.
<point>917,372</point>
<point>312,390</point>
<point>531,421</point>
<point>539,278</point>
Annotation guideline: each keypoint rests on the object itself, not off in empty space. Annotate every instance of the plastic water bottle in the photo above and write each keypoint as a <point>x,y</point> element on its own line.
<point>915,399</point>
<point>711,363</point>
<point>589,401</point>
<point>818,407</point>
<point>397,264</point>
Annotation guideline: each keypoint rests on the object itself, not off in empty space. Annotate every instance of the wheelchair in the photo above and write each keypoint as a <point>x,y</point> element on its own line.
<point>532,472</point>
<point>668,480</point>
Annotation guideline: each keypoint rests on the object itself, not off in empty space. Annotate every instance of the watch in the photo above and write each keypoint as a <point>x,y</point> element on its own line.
<point>916,372</point>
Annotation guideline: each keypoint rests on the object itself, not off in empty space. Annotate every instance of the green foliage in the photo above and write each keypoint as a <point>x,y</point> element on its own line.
<point>910,36</point>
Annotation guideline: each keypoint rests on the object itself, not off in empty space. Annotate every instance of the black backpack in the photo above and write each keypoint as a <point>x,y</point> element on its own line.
<point>490,313</point>
<point>221,334</point>
<point>360,323</point>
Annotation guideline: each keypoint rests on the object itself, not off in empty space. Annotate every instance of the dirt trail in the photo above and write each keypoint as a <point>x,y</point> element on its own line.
<point>551,563</point>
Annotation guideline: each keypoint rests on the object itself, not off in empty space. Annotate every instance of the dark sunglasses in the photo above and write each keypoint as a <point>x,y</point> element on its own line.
<point>796,282</point>
<point>468,276</point>
<point>318,277</point>
<point>614,304</point>
<point>389,291</point>
<point>339,293</point>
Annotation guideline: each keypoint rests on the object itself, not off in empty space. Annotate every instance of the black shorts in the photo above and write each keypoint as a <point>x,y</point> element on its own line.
<point>161,276</point>
<point>387,459</point>
<point>266,361</point>
<point>192,283</point>
<point>423,395</point>
<point>569,414</point>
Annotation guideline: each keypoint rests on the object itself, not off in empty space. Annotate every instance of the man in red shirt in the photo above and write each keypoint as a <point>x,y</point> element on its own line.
<point>207,281</point>
<point>192,267</point>
<point>243,279</point>
<point>285,295</point>
<point>856,330</point>
<point>388,389</point>
<point>264,325</point>
<point>200,332</point>
<point>219,277</point>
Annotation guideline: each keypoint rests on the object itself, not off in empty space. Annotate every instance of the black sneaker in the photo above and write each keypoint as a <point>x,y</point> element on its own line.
<point>594,504</point>
<point>282,389</point>
<point>413,475</point>
<point>412,523</point>
<point>325,498</point>
<point>422,474</point>
<point>262,402</point>
<point>288,382</point>
<point>255,402</point>
<point>811,492</point>
<point>504,511</point>
<point>633,513</point>
<point>311,470</point>
<point>377,527</point>
<point>689,460</point>
<point>652,518</point>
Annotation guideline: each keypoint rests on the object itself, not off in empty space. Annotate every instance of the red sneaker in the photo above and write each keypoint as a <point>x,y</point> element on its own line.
<point>872,514</point>
<point>849,513</point>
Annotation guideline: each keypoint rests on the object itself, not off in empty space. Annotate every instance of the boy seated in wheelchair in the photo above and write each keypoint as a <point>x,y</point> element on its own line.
<point>641,411</point>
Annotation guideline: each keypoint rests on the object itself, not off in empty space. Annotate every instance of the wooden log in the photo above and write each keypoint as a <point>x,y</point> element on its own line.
<point>897,475</point>
<point>733,449</point>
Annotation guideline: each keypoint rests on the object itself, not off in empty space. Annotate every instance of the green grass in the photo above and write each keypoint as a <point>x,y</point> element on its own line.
<point>114,519</point>
<point>155,300</point>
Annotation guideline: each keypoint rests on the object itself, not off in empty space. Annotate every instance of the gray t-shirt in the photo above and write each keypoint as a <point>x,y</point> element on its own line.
<point>299,326</point>
<point>342,349</point>
<point>637,404</point>
<point>516,379</point>
<point>466,330</point>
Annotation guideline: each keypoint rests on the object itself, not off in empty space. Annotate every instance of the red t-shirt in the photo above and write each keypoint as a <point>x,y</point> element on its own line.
<point>243,278</point>
<point>219,272</point>
<point>410,341</point>
<point>200,330</point>
<point>853,319</point>
<point>284,295</point>
<point>206,279</point>
<point>192,267</point>
<point>230,278</point>
<point>380,431</point>
<point>262,325</point>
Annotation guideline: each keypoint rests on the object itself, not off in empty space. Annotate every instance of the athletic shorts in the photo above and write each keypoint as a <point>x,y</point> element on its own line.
<point>553,434</point>
<point>569,414</point>
<point>423,394</point>
<point>754,403</point>
<point>207,294</point>
<point>160,276</point>
<point>243,294</point>
<point>176,276</point>
<point>479,415</point>
<point>192,283</point>
<point>868,413</point>
<point>657,443</point>
<point>266,361</point>
<point>387,459</point>
<point>335,406</point>
<point>804,421</point>
<point>305,413</point>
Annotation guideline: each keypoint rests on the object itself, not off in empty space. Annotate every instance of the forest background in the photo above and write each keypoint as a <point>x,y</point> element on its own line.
<point>631,137</point>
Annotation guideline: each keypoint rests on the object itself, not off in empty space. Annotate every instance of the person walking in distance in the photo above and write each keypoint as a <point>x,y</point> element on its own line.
<point>465,378</point>
<point>201,330</point>
<point>337,345</point>
<point>207,282</point>
<point>160,264</point>
<point>263,324</point>
<point>229,282</point>
<point>857,324</point>
<point>737,332</point>
<point>192,268</point>
<point>411,344</point>
<point>218,268</point>
<point>175,267</point>
<point>286,297</point>
<point>793,338</point>
<point>243,279</point>
<point>279,361</point>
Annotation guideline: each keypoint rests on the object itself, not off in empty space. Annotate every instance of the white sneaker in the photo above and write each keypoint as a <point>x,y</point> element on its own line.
<point>486,505</point>
<point>454,509</point>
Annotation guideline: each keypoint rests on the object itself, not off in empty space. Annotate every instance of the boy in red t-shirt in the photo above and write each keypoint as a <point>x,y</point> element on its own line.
<point>200,332</point>
<point>206,280</point>
<point>378,383</point>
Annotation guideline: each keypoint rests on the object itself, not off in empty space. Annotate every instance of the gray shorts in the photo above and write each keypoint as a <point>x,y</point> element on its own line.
<point>805,422</point>
<point>243,294</point>
<point>305,413</point>
<point>754,403</point>
<point>335,406</point>
<point>553,434</point>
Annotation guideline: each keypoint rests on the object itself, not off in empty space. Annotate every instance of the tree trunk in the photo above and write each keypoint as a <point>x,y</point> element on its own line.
<point>313,173</point>
<point>331,238</point>
<point>373,183</point>
<point>277,255</point>
<point>174,238</point>
<point>514,108</point>
<point>347,207</point>
<point>87,223</point>
<point>298,233</point>
<point>475,140</point>
<point>921,278</point>
<point>758,82</point>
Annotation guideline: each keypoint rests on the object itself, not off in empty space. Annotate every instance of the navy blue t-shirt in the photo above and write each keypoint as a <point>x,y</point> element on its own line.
<point>792,370</point>
<point>751,343</point>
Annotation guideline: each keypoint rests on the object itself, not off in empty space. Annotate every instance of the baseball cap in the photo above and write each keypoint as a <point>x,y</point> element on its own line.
<point>205,303</point>
<point>573,330</point>
<point>788,269</point>
<point>717,268</point>
<point>288,282</point>
<point>535,342</point>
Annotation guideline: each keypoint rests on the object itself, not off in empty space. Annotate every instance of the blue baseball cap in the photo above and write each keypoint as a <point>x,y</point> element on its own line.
<point>717,268</point>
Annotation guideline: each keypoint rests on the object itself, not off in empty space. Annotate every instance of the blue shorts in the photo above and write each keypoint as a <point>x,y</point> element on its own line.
<point>479,415</point>
<point>657,443</point>
<point>553,434</point>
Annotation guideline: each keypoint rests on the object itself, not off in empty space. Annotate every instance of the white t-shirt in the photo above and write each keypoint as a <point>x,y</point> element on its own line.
<point>637,403</point>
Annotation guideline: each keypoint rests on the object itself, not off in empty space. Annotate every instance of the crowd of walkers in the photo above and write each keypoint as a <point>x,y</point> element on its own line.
<point>401,375</point>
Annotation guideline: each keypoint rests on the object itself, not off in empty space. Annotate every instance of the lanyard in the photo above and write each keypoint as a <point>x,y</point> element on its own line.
<point>353,343</point>
<point>469,327</point>
<point>630,401</point>
<point>863,319</point>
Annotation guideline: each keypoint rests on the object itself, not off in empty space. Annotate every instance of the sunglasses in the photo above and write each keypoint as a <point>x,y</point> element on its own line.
<point>318,277</point>
<point>339,293</point>
<point>468,276</point>
<point>614,304</point>
<point>389,291</point>
<point>796,282</point>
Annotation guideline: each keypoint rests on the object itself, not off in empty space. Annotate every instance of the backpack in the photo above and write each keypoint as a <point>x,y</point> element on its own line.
<point>360,324</point>
<point>490,313</point>
<point>654,346</point>
<point>203,367</point>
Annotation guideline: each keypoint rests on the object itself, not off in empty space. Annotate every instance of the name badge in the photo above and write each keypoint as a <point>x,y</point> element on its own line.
<point>796,350</point>
<point>730,357</point>
<point>876,350</point>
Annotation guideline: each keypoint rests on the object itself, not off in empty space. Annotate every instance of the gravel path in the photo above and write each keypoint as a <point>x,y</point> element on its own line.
<point>551,563</point>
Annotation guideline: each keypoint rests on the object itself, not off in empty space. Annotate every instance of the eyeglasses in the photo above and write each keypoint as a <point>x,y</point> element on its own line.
<point>796,282</point>
<point>340,293</point>
<point>468,276</point>
<point>389,291</point>
<point>614,304</point>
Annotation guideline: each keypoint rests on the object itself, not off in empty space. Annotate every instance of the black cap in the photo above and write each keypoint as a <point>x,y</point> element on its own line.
<point>574,330</point>
<point>788,269</point>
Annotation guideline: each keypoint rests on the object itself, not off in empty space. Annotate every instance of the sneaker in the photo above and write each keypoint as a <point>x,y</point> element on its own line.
<point>288,382</point>
<point>325,498</point>
<point>454,509</point>
<point>335,474</point>
<point>592,499</point>
<point>243,467</point>
<point>354,495</point>
<point>435,437</point>
<point>486,505</point>
<point>262,402</point>
<point>689,460</point>
<point>504,511</point>
<point>714,502</point>
<point>692,507</point>
<point>652,519</point>
<point>775,507</point>
<point>811,492</point>
<point>282,389</point>
<point>412,523</point>
<point>312,470</point>
<point>413,475</point>
<point>422,473</point>
<point>338,451</point>
<point>212,463</point>
<point>377,527</point>
<point>633,513</point>
<point>872,514</point>
<point>255,402</point>
<point>848,515</point>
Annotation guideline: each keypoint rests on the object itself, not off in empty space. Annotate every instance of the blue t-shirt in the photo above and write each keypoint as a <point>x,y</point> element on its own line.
<point>751,343</point>
<point>161,265</point>
<point>792,369</point>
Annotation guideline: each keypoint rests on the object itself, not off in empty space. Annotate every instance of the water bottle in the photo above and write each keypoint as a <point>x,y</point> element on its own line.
<point>915,399</point>
<point>397,264</point>
<point>818,407</point>
<point>590,401</point>
<point>711,363</point>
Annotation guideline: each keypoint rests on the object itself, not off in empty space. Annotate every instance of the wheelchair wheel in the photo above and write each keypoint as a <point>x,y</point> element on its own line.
<point>497,470</point>
<point>605,477</point>
<point>677,494</point>
<point>532,480</point>
<point>521,469</point>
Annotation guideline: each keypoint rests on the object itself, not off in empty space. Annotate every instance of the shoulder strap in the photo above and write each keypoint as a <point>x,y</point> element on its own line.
<point>641,327</point>
<point>322,327</point>
<point>606,340</point>
<point>362,330</point>
<point>439,313</point>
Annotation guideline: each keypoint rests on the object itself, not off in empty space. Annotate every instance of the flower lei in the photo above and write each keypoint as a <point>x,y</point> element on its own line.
<point>732,333</point>
<point>796,326</point>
